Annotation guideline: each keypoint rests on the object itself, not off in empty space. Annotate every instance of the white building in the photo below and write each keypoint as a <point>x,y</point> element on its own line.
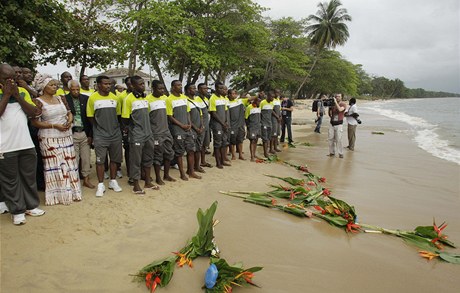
<point>119,75</point>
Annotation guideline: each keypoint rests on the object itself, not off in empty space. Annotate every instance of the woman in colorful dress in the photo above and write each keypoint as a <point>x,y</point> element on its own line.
<point>56,144</point>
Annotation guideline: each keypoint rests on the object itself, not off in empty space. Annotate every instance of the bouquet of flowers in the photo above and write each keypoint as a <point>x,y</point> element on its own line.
<point>307,198</point>
<point>221,277</point>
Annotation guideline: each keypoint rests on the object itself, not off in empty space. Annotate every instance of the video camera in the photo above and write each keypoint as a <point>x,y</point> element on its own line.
<point>329,102</point>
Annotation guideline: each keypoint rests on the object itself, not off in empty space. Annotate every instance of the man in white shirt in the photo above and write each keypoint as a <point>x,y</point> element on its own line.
<point>351,115</point>
<point>18,159</point>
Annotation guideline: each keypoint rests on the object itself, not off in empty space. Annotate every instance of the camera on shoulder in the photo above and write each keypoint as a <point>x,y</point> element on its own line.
<point>358,120</point>
<point>329,102</point>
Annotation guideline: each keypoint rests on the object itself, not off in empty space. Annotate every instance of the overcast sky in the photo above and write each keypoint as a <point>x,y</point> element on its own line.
<point>416,41</point>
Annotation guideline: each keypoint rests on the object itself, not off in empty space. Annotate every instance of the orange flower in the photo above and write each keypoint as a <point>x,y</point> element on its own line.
<point>428,254</point>
<point>439,232</point>
<point>352,227</point>
<point>183,259</point>
<point>273,201</point>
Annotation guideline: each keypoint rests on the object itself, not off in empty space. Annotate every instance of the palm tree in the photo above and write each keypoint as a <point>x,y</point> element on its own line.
<point>328,30</point>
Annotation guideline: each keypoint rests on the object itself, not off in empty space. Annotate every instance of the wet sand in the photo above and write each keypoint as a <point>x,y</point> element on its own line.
<point>94,245</point>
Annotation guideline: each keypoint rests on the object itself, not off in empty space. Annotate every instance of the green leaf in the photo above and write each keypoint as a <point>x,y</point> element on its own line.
<point>450,257</point>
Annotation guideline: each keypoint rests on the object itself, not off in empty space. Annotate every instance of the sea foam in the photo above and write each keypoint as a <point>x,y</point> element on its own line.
<point>425,134</point>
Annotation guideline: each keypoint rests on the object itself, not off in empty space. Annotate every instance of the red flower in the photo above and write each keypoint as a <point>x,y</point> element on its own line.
<point>318,208</point>
<point>326,192</point>
<point>311,183</point>
<point>273,201</point>
<point>322,180</point>
<point>152,284</point>
<point>352,227</point>
<point>438,231</point>
<point>293,194</point>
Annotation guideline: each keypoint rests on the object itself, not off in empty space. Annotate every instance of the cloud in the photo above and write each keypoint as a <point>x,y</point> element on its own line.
<point>416,41</point>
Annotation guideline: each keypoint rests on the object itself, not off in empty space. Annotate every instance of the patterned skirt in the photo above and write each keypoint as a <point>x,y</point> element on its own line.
<point>61,170</point>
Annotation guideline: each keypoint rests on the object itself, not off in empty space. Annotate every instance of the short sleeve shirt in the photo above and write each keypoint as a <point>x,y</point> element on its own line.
<point>286,104</point>
<point>266,113</point>
<point>87,93</point>
<point>178,107</point>
<point>205,111</point>
<point>253,116</point>
<point>137,110</point>
<point>158,117</point>
<point>237,109</point>
<point>218,104</point>
<point>14,133</point>
<point>195,111</point>
<point>105,110</point>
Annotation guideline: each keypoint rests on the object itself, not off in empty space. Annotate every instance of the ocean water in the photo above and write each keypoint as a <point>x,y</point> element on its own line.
<point>433,123</point>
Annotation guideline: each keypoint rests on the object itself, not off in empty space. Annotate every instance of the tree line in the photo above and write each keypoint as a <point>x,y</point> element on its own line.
<point>209,40</point>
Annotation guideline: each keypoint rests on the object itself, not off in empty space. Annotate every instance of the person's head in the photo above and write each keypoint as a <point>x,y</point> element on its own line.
<point>65,77</point>
<point>129,87</point>
<point>277,93</point>
<point>352,101</point>
<point>190,90</point>
<point>176,87</point>
<point>270,96</point>
<point>285,98</point>
<point>138,84</point>
<point>7,74</point>
<point>261,95</point>
<point>103,85</point>
<point>74,88</point>
<point>18,73</point>
<point>119,88</point>
<point>45,84</point>
<point>27,75</point>
<point>202,90</point>
<point>338,97</point>
<point>158,88</point>
<point>232,94</point>
<point>113,83</point>
<point>323,97</point>
<point>84,82</point>
<point>220,88</point>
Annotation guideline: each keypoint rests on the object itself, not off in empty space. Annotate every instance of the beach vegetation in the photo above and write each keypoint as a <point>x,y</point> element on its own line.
<point>328,29</point>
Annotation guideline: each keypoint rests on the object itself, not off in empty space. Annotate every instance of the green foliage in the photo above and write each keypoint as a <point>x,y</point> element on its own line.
<point>29,29</point>
<point>90,40</point>
<point>191,37</point>
<point>281,60</point>
<point>333,74</point>
<point>328,29</point>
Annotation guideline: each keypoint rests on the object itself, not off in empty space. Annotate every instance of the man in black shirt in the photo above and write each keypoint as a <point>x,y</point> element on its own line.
<point>286,118</point>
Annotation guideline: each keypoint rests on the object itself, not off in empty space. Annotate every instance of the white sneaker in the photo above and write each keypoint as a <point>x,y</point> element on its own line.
<point>100,190</point>
<point>19,219</point>
<point>35,212</point>
<point>106,175</point>
<point>113,184</point>
<point>175,166</point>
<point>119,174</point>
<point>3,208</point>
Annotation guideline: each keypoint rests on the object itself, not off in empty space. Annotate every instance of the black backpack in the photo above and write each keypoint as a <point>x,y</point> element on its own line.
<point>314,106</point>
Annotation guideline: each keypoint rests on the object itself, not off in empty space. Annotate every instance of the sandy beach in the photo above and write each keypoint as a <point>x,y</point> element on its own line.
<point>96,244</point>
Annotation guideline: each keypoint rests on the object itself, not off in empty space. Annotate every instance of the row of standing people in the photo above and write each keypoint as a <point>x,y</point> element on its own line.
<point>73,118</point>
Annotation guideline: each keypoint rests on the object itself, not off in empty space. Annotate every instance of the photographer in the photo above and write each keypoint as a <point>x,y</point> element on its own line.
<point>336,113</point>
<point>352,120</point>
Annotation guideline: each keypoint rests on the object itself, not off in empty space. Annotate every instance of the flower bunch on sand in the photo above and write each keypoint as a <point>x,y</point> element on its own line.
<point>306,197</point>
<point>160,272</point>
